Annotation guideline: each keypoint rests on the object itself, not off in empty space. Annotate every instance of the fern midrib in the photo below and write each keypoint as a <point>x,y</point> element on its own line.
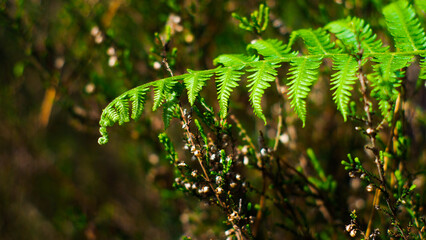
<point>340,89</point>
<point>318,42</point>
<point>404,24</point>
<point>296,93</point>
<point>275,60</point>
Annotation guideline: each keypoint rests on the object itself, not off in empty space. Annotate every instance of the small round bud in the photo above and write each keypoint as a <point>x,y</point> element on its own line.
<point>157,65</point>
<point>94,31</point>
<point>112,61</point>
<point>369,188</point>
<point>197,153</point>
<point>263,152</point>
<point>244,150</point>
<point>218,180</point>
<point>246,160</point>
<point>111,51</point>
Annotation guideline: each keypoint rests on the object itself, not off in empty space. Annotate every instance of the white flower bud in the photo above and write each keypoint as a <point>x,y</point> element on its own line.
<point>157,65</point>
<point>353,233</point>
<point>218,180</point>
<point>246,160</point>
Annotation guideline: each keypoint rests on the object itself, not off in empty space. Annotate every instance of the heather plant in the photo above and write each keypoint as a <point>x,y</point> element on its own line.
<point>251,178</point>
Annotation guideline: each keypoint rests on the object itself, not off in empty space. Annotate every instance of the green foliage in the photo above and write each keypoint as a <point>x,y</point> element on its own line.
<point>317,41</point>
<point>342,82</point>
<point>303,74</point>
<point>404,26</point>
<point>227,79</point>
<point>263,73</point>
<point>258,21</point>
<point>194,82</point>
<point>355,40</point>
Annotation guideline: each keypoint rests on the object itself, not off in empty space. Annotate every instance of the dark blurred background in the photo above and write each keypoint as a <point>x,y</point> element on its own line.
<point>62,61</point>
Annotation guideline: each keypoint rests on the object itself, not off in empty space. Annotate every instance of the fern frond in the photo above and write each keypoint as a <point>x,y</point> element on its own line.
<point>345,32</point>
<point>386,80</point>
<point>317,41</point>
<point>342,81</point>
<point>263,73</point>
<point>171,105</point>
<point>161,89</point>
<point>138,98</point>
<point>303,74</point>
<point>355,33</point>
<point>227,79</point>
<point>194,82</point>
<point>237,61</point>
<point>271,48</point>
<point>119,110</point>
<point>122,107</point>
<point>404,26</point>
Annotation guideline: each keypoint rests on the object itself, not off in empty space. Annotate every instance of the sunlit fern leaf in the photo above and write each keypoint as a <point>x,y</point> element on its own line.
<point>404,26</point>
<point>104,136</point>
<point>317,41</point>
<point>171,105</point>
<point>385,82</point>
<point>237,61</point>
<point>345,32</point>
<point>161,89</point>
<point>263,73</point>
<point>342,81</point>
<point>123,109</point>
<point>303,73</point>
<point>227,79</point>
<point>369,42</point>
<point>138,98</point>
<point>194,82</point>
<point>109,116</point>
<point>355,33</point>
<point>271,48</point>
